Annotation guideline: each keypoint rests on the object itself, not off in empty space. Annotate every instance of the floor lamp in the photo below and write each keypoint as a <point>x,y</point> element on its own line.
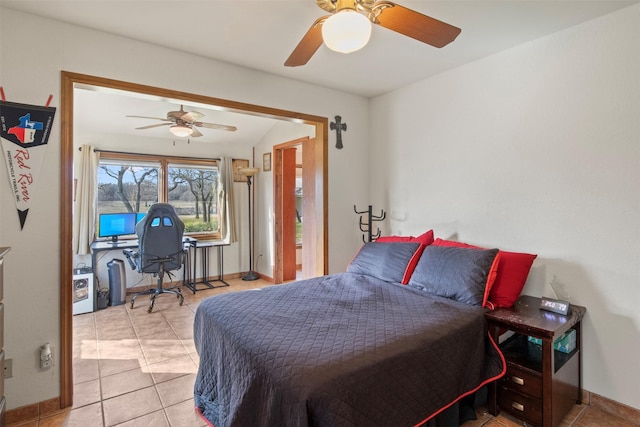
<point>249,173</point>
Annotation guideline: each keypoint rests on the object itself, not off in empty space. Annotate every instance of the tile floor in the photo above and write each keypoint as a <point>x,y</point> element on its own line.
<point>133,368</point>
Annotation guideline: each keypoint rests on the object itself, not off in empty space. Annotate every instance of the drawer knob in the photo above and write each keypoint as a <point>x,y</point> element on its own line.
<point>517,380</point>
<point>517,406</point>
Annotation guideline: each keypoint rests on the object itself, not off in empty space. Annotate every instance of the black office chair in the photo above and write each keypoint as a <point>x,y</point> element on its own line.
<point>160,249</point>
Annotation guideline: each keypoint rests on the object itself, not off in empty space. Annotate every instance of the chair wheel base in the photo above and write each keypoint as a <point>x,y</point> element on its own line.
<point>154,293</point>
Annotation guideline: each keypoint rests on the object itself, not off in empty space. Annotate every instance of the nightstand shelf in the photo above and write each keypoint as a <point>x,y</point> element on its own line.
<point>519,350</point>
<point>541,384</point>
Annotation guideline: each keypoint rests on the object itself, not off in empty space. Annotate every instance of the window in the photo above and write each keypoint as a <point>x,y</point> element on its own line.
<point>193,193</point>
<point>132,183</point>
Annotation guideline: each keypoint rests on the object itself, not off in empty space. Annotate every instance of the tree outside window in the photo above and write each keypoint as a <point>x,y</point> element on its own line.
<point>128,184</point>
<point>193,193</point>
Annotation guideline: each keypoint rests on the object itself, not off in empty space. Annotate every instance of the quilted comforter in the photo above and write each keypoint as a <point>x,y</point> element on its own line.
<point>338,350</point>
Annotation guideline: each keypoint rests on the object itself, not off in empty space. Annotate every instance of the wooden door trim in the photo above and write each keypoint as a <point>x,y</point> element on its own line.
<point>292,143</point>
<point>278,252</point>
<point>287,204</point>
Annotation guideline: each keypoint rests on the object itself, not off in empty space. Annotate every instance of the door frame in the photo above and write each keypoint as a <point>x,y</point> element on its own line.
<point>68,82</point>
<point>279,249</point>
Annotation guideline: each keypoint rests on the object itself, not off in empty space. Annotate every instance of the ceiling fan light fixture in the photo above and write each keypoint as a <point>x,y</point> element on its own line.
<point>181,131</point>
<point>346,31</point>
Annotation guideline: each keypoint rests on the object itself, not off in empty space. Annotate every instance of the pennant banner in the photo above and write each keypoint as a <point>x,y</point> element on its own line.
<point>24,131</point>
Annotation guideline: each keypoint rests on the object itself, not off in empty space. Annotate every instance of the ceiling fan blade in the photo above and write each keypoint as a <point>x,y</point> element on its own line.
<point>215,126</point>
<point>191,116</point>
<point>195,132</point>
<point>155,126</point>
<point>309,44</point>
<point>147,117</point>
<point>413,24</point>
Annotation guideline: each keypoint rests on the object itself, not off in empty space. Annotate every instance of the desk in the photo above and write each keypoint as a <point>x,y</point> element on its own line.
<point>192,247</point>
<point>190,270</point>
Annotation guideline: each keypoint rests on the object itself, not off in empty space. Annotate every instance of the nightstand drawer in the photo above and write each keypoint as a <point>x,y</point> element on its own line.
<point>522,381</point>
<point>522,406</point>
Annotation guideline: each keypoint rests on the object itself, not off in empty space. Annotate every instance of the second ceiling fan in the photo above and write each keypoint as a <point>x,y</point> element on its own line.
<point>351,20</point>
<point>184,123</point>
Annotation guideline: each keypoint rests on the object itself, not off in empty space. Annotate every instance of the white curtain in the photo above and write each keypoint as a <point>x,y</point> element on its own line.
<point>84,200</point>
<point>225,201</point>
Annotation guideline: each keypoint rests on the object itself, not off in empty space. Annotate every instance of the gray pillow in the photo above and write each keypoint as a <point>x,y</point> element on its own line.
<point>456,273</point>
<point>388,261</point>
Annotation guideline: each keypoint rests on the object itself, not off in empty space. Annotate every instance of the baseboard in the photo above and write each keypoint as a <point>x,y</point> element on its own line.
<point>611,407</point>
<point>266,278</point>
<point>33,412</point>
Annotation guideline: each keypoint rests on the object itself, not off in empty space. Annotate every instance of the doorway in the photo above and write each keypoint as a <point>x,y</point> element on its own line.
<point>71,80</point>
<point>295,206</point>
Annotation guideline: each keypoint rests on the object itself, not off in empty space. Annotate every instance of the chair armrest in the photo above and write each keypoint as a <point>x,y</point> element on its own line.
<point>131,256</point>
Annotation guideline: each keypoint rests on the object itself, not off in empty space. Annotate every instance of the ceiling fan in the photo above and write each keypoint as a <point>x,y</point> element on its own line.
<point>183,123</point>
<point>347,29</point>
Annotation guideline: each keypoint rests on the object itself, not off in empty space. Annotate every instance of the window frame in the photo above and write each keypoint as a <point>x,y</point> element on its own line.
<point>163,174</point>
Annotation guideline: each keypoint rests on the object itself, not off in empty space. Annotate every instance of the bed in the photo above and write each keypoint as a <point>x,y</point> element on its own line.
<point>394,341</point>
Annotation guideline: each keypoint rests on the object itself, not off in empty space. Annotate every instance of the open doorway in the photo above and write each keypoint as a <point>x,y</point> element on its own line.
<point>295,207</point>
<point>69,81</point>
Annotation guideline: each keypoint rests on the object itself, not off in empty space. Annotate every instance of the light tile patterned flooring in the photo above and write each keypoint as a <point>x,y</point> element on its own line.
<point>133,368</point>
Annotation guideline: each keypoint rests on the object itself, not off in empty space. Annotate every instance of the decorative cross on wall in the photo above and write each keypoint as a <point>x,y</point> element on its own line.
<point>338,126</point>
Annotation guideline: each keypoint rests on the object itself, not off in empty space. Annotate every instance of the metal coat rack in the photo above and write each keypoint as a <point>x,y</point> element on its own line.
<point>366,227</point>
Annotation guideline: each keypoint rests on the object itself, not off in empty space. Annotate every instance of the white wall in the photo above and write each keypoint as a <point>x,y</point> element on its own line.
<point>534,149</point>
<point>34,51</point>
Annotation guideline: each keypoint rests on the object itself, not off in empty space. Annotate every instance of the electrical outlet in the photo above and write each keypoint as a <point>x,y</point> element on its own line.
<point>46,356</point>
<point>8,368</point>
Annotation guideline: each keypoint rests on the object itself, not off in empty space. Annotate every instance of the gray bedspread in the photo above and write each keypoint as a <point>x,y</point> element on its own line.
<point>337,350</point>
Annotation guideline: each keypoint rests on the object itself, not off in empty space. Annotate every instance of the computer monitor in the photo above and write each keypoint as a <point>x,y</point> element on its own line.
<point>116,224</point>
<point>140,216</point>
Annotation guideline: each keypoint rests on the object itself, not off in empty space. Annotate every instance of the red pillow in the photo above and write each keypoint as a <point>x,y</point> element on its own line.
<point>394,239</point>
<point>426,238</point>
<point>442,242</point>
<point>511,275</point>
<point>412,264</point>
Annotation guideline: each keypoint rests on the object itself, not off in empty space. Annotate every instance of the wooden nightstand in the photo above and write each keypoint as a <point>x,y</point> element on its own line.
<point>541,384</point>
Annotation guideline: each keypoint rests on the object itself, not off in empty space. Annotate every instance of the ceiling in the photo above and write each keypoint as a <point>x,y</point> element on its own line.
<point>260,34</point>
<point>106,112</point>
